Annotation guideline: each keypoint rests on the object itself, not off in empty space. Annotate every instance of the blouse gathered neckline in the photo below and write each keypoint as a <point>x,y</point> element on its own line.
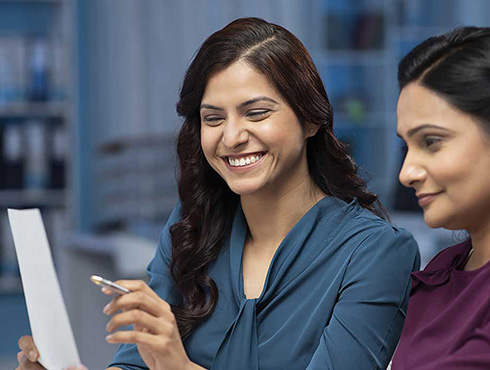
<point>448,263</point>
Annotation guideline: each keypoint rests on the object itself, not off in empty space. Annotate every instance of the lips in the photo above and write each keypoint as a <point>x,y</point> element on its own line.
<point>427,198</point>
<point>243,161</point>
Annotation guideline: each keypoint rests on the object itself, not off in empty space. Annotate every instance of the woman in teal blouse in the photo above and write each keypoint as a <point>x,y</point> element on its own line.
<point>277,256</point>
<point>334,297</point>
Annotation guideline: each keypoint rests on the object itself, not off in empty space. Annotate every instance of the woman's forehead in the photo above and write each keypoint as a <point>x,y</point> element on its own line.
<point>237,82</point>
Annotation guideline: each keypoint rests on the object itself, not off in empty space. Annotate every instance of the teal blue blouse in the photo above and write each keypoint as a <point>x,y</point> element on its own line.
<point>335,296</point>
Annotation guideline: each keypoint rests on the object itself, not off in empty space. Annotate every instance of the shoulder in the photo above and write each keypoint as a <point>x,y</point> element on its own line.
<point>175,216</point>
<point>381,231</point>
<point>164,241</point>
<point>379,239</point>
<point>352,225</point>
<point>380,254</point>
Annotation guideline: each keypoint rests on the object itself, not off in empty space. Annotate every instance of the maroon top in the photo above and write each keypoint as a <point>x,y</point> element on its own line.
<point>448,318</point>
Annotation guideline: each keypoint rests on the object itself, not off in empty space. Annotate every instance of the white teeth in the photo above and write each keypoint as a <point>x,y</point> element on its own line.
<point>244,161</point>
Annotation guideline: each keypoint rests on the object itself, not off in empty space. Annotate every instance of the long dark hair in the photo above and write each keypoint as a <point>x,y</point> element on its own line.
<point>455,65</point>
<point>208,204</point>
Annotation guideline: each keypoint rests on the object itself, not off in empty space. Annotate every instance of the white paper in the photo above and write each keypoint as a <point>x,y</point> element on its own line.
<point>49,320</point>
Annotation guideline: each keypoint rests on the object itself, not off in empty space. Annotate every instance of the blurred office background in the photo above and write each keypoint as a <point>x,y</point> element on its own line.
<point>87,124</point>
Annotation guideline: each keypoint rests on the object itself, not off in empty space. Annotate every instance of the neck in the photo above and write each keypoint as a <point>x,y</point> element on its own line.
<point>272,214</point>
<point>480,240</point>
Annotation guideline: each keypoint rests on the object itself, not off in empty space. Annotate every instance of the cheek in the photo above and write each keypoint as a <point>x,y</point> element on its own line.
<point>451,166</point>
<point>283,137</point>
<point>208,143</point>
<point>463,172</point>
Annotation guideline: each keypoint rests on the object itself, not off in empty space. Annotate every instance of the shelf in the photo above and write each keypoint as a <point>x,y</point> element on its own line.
<point>28,198</point>
<point>54,2</point>
<point>33,110</point>
<point>10,284</point>
<point>376,119</point>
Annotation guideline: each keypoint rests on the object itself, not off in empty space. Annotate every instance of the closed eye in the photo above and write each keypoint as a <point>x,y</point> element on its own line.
<point>258,114</point>
<point>212,120</point>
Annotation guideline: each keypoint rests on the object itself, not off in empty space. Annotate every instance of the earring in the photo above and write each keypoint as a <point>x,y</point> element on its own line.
<point>311,131</point>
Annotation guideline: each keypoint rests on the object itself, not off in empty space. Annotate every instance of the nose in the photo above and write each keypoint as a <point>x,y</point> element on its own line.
<point>235,133</point>
<point>411,172</point>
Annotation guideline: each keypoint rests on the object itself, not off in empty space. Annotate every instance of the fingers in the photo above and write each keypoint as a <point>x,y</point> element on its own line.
<point>81,367</point>
<point>141,319</point>
<point>137,285</point>
<point>139,300</point>
<point>26,364</point>
<point>107,291</point>
<point>26,344</point>
<point>131,336</point>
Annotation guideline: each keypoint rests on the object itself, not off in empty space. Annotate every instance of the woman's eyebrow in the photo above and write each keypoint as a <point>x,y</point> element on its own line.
<point>255,100</point>
<point>209,106</point>
<point>414,130</point>
<point>241,105</point>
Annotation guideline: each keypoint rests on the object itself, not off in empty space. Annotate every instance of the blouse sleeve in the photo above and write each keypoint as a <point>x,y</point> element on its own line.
<point>161,281</point>
<point>368,317</point>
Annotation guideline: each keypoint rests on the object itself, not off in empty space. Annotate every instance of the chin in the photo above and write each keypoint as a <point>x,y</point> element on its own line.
<point>247,186</point>
<point>446,222</point>
<point>433,224</point>
<point>244,190</point>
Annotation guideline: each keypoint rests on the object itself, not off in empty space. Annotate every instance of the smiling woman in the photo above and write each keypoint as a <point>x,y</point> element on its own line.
<point>277,256</point>
<point>444,117</point>
<point>254,140</point>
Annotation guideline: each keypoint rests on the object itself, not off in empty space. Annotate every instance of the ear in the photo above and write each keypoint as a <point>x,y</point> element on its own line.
<point>311,129</point>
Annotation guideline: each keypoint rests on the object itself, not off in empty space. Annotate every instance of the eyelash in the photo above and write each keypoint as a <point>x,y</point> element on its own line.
<point>430,142</point>
<point>252,114</point>
<point>427,142</point>
<point>257,113</point>
<point>211,119</point>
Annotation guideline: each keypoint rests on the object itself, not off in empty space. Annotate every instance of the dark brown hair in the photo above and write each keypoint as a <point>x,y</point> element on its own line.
<point>455,65</point>
<point>208,204</point>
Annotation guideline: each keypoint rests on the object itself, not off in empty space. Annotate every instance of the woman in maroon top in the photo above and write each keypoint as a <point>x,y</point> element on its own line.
<point>444,118</point>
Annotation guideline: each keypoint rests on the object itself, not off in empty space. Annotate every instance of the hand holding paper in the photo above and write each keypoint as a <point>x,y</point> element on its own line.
<point>49,321</point>
<point>28,357</point>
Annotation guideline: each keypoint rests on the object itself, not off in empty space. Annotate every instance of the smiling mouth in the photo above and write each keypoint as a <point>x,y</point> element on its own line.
<point>246,160</point>
<point>425,199</point>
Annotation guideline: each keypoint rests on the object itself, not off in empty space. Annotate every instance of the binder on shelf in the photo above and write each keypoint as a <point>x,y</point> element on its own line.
<point>11,156</point>
<point>8,259</point>
<point>36,174</point>
<point>57,155</point>
<point>58,74</point>
<point>39,84</point>
<point>13,81</point>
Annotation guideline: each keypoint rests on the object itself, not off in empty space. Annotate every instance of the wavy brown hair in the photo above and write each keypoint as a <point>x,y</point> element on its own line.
<point>208,204</point>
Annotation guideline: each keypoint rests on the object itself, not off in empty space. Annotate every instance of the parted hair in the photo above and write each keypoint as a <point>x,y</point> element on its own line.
<point>455,65</point>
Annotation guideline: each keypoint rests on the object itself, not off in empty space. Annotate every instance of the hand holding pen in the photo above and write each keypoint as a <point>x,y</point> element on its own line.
<point>154,330</point>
